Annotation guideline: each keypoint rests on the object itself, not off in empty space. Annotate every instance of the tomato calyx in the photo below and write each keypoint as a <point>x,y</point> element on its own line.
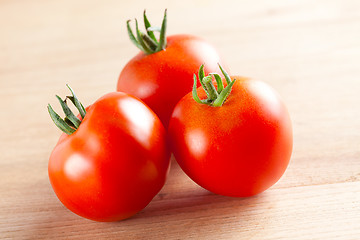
<point>70,123</point>
<point>148,43</point>
<point>215,97</point>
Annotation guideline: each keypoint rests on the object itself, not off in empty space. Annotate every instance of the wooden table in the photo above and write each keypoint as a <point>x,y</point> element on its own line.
<point>309,51</point>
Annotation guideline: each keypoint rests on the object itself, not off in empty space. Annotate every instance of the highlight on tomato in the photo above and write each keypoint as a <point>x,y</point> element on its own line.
<point>232,136</point>
<point>162,64</point>
<point>111,160</point>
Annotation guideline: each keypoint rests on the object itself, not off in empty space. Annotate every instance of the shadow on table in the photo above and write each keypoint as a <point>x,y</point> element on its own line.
<point>181,199</point>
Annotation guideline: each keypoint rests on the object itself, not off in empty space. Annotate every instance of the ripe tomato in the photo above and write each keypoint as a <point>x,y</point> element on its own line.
<point>162,75</point>
<point>238,149</point>
<point>113,165</point>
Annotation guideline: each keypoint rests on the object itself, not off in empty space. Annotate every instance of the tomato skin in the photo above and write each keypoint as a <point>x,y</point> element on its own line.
<point>113,165</point>
<point>161,79</point>
<point>239,149</point>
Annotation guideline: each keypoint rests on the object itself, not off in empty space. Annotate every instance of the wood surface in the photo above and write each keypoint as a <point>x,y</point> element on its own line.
<point>309,51</point>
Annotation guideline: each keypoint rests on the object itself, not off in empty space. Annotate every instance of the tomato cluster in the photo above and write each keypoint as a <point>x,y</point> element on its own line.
<point>231,135</point>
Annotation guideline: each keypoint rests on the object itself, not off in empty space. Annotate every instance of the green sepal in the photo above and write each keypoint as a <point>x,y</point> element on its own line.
<point>148,43</point>
<point>215,97</point>
<point>201,77</point>
<point>223,95</point>
<point>162,39</point>
<point>132,36</point>
<point>139,37</point>
<point>194,91</point>
<point>59,122</point>
<point>70,123</point>
<point>148,28</point>
<point>219,83</point>
<point>77,103</point>
<point>226,75</point>
<point>69,114</point>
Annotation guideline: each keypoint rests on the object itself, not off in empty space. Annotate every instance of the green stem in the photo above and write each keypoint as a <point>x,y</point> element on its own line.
<point>212,93</point>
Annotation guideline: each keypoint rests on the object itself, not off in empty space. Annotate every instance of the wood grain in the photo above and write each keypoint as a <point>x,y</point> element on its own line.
<point>309,51</point>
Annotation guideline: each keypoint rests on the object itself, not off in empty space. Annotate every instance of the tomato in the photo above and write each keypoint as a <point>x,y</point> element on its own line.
<point>162,76</point>
<point>239,148</point>
<point>116,161</point>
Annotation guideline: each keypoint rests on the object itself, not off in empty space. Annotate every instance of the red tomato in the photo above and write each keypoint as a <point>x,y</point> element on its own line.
<point>113,165</point>
<point>238,149</point>
<point>162,78</point>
